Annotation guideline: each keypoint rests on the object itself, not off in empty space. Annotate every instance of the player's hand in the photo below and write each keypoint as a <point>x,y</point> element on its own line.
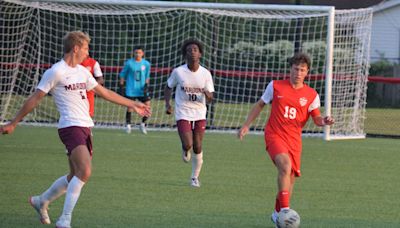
<point>7,129</point>
<point>242,132</point>
<point>328,120</point>
<point>141,109</point>
<point>168,109</point>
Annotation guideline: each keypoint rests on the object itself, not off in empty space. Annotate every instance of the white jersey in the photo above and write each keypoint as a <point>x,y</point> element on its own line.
<point>68,87</point>
<point>190,100</point>
<point>97,70</point>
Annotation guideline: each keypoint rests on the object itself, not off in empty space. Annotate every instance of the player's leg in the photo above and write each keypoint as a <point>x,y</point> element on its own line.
<point>80,151</point>
<point>41,202</point>
<point>146,101</point>
<point>278,150</point>
<point>128,117</point>
<point>197,160</point>
<point>284,167</point>
<point>81,163</point>
<point>186,136</point>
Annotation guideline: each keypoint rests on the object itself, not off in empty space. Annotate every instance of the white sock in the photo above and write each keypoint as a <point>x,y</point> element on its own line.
<point>73,192</point>
<point>57,189</point>
<point>197,162</point>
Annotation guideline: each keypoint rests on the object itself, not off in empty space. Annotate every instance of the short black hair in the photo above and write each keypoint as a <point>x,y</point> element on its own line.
<point>137,48</point>
<point>300,58</point>
<point>189,42</point>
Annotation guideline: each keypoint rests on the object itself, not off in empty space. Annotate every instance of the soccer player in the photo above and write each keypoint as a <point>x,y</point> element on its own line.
<point>134,84</point>
<point>293,102</point>
<point>94,68</point>
<point>194,87</point>
<point>68,81</point>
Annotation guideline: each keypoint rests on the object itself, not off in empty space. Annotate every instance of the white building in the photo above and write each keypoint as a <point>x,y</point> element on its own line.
<point>385,35</point>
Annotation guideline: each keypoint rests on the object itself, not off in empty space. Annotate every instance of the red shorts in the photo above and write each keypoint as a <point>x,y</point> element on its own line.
<point>198,126</point>
<point>276,145</point>
<point>76,136</point>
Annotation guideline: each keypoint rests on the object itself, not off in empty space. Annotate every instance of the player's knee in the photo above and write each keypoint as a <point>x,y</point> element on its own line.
<point>187,147</point>
<point>84,174</point>
<point>197,149</point>
<point>285,169</point>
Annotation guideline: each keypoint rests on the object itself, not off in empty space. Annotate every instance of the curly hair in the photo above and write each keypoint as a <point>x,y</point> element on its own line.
<point>189,42</point>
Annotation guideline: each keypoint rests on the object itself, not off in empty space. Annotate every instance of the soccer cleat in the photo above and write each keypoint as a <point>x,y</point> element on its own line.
<point>64,222</point>
<point>40,209</point>
<point>186,155</point>
<point>142,128</point>
<point>274,217</point>
<point>195,182</point>
<point>128,129</point>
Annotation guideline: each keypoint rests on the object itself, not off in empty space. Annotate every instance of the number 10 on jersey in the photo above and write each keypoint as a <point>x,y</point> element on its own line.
<point>192,97</point>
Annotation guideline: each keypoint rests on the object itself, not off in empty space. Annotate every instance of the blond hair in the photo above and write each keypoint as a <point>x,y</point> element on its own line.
<point>74,38</point>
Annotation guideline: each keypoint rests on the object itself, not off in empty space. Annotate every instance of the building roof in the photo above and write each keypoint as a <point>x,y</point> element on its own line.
<point>339,4</point>
<point>386,5</point>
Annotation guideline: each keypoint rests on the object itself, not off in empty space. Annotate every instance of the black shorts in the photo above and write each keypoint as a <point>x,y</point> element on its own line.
<point>141,99</point>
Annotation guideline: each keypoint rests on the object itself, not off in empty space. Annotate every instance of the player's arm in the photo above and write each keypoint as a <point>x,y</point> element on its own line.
<point>26,108</point>
<point>253,114</point>
<point>316,114</point>
<point>167,98</point>
<point>147,81</point>
<point>322,121</point>
<point>109,95</point>
<point>121,90</point>
<point>98,74</point>
<point>209,96</point>
<point>146,87</point>
<point>122,75</point>
<point>100,80</point>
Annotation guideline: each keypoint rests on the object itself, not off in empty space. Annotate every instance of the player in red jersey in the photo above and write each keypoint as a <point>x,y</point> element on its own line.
<point>292,103</point>
<point>94,67</point>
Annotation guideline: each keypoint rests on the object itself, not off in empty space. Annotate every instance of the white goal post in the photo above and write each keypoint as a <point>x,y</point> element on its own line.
<point>246,46</point>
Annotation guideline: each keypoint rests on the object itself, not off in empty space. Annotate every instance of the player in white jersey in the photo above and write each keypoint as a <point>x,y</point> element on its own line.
<point>194,87</point>
<point>68,81</point>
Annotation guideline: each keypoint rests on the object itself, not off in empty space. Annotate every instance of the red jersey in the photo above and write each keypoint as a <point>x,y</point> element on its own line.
<point>94,68</point>
<point>290,110</point>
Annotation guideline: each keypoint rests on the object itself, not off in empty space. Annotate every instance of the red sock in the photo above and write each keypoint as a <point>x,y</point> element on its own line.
<point>283,197</point>
<point>277,205</point>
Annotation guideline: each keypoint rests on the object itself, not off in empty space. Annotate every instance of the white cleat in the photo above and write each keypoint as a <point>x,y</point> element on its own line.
<point>274,217</point>
<point>128,129</point>
<point>195,182</point>
<point>142,128</point>
<point>186,156</point>
<point>40,209</point>
<point>64,222</point>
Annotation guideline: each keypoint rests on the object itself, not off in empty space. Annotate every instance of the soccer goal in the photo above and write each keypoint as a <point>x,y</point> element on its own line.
<point>246,46</point>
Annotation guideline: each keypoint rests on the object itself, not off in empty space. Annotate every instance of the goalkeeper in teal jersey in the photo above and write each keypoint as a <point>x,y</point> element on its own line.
<point>134,84</point>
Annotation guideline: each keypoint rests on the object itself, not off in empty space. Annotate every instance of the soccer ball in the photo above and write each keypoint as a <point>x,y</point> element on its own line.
<point>288,218</point>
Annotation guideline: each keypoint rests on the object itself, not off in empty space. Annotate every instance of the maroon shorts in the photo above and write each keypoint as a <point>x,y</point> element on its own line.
<point>76,136</point>
<point>198,126</point>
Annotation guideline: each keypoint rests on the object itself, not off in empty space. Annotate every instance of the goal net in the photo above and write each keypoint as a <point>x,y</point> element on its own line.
<point>246,46</point>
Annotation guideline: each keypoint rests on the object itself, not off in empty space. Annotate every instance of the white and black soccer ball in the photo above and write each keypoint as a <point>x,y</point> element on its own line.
<point>288,218</point>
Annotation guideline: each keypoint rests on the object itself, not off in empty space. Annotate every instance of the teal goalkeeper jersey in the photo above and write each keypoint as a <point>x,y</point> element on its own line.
<point>135,75</point>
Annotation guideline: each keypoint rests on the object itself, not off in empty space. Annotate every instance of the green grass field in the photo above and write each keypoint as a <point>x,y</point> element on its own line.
<point>140,181</point>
